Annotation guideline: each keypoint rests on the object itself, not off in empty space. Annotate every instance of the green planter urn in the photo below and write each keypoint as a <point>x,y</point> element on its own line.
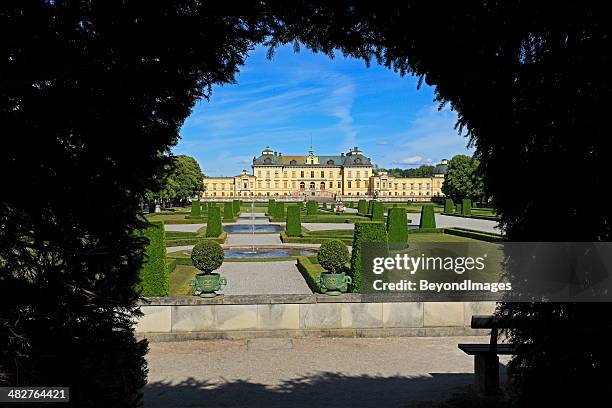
<point>333,284</point>
<point>207,284</point>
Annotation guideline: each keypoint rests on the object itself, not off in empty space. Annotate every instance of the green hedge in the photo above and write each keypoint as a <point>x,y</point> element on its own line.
<point>479,235</point>
<point>271,205</point>
<point>428,219</point>
<point>311,273</point>
<point>378,213</point>
<point>294,224</point>
<point>228,211</point>
<point>279,210</point>
<point>311,207</point>
<point>466,206</point>
<point>397,225</point>
<point>324,206</point>
<point>309,239</point>
<point>213,226</point>
<point>370,206</point>
<point>192,240</point>
<point>458,209</point>
<point>154,275</point>
<point>196,212</point>
<point>236,207</point>
<point>362,207</point>
<point>449,206</point>
<point>372,231</point>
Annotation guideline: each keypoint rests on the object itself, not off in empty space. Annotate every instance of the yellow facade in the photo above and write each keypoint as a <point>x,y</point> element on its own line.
<point>349,174</point>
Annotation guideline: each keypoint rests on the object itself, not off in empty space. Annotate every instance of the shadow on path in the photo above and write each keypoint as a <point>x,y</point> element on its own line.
<point>315,390</point>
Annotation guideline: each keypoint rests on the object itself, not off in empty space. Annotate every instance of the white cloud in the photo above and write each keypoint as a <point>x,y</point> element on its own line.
<point>413,160</point>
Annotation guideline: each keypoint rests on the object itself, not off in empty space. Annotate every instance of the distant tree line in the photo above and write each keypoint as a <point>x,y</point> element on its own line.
<point>424,170</point>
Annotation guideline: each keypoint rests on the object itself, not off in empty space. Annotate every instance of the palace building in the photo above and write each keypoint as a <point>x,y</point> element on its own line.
<point>326,177</point>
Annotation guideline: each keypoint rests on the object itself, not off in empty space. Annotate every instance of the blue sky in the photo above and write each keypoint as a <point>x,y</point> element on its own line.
<point>340,102</point>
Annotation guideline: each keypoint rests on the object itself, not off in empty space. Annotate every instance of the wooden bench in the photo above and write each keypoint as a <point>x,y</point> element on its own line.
<point>486,360</point>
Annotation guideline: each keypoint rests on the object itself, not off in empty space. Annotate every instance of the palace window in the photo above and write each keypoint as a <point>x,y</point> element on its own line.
<point>267,161</point>
<point>312,185</point>
<point>366,184</point>
<point>349,184</point>
<point>312,174</point>
<point>276,185</point>
<point>268,184</point>
<point>339,184</point>
<point>284,174</point>
<point>285,184</point>
<point>293,174</point>
<point>293,162</point>
<point>330,162</point>
<point>268,174</point>
<point>302,174</point>
<point>259,173</point>
<point>358,161</point>
<point>358,174</point>
<point>350,174</point>
<point>322,174</point>
<point>366,174</point>
<point>302,186</point>
<point>358,184</point>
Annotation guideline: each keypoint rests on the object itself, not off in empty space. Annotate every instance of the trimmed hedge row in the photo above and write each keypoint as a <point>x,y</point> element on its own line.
<point>428,219</point>
<point>449,206</point>
<point>372,231</point>
<point>193,240</point>
<point>362,207</point>
<point>154,275</point>
<point>311,273</point>
<point>213,226</point>
<point>228,211</point>
<point>479,235</point>
<point>236,207</point>
<point>466,206</point>
<point>397,225</point>
<point>311,208</point>
<point>279,210</point>
<point>378,213</point>
<point>294,224</point>
<point>370,206</point>
<point>196,211</point>
<point>309,239</point>
<point>271,205</point>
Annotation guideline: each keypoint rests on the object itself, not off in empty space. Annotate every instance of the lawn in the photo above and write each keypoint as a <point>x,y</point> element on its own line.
<point>179,280</point>
<point>414,207</point>
<point>178,238</point>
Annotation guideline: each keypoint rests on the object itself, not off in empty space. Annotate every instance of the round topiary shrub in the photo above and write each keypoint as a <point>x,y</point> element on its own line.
<point>207,255</point>
<point>333,255</point>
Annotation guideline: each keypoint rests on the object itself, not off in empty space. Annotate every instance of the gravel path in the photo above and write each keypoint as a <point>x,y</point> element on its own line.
<point>275,373</point>
<point>263,278</point>
<point>446,221</point>
<point>184,227</point>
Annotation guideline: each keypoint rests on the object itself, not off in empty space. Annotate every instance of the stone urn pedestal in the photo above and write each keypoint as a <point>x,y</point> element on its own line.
<point>206,284</point>
<point>333,284</point>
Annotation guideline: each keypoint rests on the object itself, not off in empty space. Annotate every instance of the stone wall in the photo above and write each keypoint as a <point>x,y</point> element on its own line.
<point>240,317</point>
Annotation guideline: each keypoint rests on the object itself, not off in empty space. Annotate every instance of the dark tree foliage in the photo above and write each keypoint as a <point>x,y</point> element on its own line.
<point>531,83</point>
<point>92,95</point>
